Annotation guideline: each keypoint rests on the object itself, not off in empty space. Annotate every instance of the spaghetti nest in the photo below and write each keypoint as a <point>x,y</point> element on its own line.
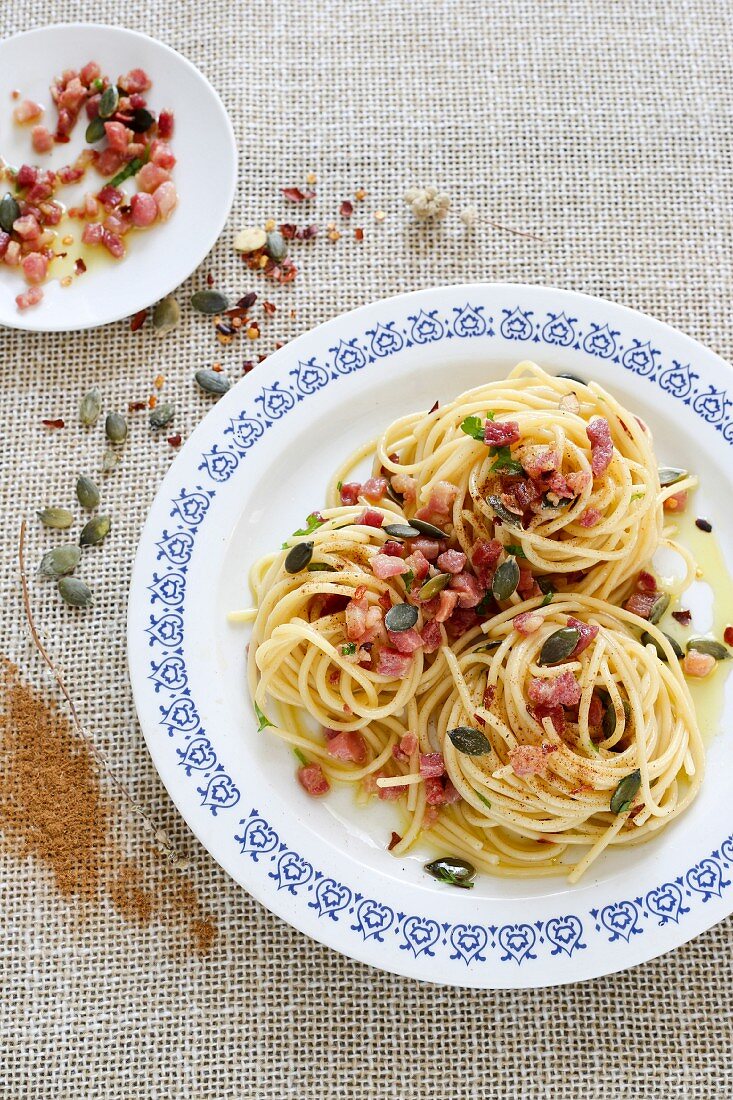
<point>553,465</point>
<point>556,724</point>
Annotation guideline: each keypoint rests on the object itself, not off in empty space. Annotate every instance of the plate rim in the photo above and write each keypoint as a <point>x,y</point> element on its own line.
<point>166,286</point>
<point>246,387</point>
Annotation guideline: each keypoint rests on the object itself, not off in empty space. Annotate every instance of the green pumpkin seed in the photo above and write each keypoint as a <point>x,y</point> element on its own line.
<point>401,530</point>
<point>452,871</point>
<point>276,246</point>
<point>470,741</point>
<point>711,647</point>
<point>60,561</point>
<point>510,518</point>
<point>625,792</point>
<point>395,497</point>
<point>669,475</point>
<point>429,530</point>
<point>209,301</point>
<point>299,557</point>
<point>75,592</point>
<point>435,585</point>
<point>211,381</point>
<point>95,131</point>
<point>659,606</point>
<point>9,212</point>
<point>608,725</point>
<point>559,646</point>
<point>166,315</point>
<point>321,567</point>
<point>648,639</point>
<point>95,530</point>
<point>141,121</point>
<point>506,579</point>
<point>108,102</point>
<point>90,407</point>
<point>87,493</point>
<point>115,427</point>
<point>402,616</point>
<point>110,459</point>
<point>58,518</point>
<point>161,415</point>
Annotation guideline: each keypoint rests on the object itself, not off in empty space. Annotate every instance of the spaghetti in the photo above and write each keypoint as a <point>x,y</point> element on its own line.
<point>471,632</point>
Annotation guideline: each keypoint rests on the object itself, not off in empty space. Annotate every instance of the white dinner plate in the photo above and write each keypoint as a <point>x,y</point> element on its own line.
<point>159,259</point>
<point>246,479</point>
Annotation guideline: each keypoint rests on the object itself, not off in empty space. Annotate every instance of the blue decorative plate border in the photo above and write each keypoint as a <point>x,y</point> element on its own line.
<point>273,856</point>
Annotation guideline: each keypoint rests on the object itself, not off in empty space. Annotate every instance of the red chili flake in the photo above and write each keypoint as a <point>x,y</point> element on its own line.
<point>269,307</point>
<point>279,344</point>
<point>159,381</point>
<point>481,721</point>
<point>488,697</point>
<point>359,234</point>
<point>346,209</point>
<point>217,367</point>
<point>79,267</point>
<point>58,423</point>
<point>704,525</point>
<point>295,194</point>
<point>435,407</point>
<point>394,841</point>
<point>174,440</point>
<point>728,635</point>
<point>289,230</point>
<point>136,406</point>
<point>682,617</point>
<point>261,358</point>
<point>209,282</point>
<point>307,233</point>
<point>138,320</point>
<point>152,401</point>
<point>247,300</point>
<point>248,365</point>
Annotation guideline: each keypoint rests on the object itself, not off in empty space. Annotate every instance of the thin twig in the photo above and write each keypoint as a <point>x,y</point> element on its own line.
<point>163,843</point>
<point>516,232</point>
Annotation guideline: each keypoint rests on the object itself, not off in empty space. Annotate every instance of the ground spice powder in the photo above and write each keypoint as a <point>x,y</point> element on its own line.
<point>52,809</point>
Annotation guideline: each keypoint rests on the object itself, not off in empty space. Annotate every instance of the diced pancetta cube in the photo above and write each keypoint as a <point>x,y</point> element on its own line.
<point>313,781</point>
<point>166,199</point>
<point>563,690</point>
<point>35,267</point>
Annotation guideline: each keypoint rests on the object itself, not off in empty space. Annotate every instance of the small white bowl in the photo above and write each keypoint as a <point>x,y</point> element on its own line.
<point>159,259</point>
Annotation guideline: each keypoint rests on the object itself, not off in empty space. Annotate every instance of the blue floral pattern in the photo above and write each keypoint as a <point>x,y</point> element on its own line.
<point>372,920</point>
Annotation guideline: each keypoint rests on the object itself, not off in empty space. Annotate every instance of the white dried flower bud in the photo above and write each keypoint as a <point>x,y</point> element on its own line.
<point>469,216</point>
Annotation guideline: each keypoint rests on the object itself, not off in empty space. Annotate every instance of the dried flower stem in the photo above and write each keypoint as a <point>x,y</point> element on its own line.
<point>162,842</point>
<point>516,232</point>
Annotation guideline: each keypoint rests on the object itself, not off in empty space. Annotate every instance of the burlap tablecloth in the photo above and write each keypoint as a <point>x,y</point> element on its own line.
<point>606,127</point>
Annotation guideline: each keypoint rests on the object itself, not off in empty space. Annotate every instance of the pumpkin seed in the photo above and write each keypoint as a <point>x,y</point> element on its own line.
<point>402,616</point>
<point>506,579</point>
<point>60,561</point>
<point>95,131</point>
<point>711,647</point>
<point>211,381</point>
<point>453,871</point>
<point>647,639</point>
<point>95,530</point>
<point>109,101</point>
<point>435,585</point>
<point>110,459</point>
<point>401,531</point>
<point>573,378</point>
<point>559,645</point>
<point>395,497</point>
<point>161,415</point>
<point>87,493</point>
<point>659,606</point>
<point>608,725</point>
<point>166,315</point>
<point>428,529</point>
<point>141,121</point>
<point>58,518</point>
<point>90,407</point>
<point>115,427</point>
<point>321,567</point>
<point>668,475</point>
<point>503,512</point>
<point>75,592</point>
<point>209,301</point>
<point>625,792</point>
<point>9,212</point>
<point>299,557</point>
<point>276,246</point>
<point>470,741</point>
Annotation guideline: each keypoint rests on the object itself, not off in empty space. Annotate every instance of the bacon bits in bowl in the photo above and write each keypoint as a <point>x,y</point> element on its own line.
<point>104,208</point>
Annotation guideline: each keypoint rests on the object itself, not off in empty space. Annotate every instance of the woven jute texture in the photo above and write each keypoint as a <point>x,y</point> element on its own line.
<point>606,128</point>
